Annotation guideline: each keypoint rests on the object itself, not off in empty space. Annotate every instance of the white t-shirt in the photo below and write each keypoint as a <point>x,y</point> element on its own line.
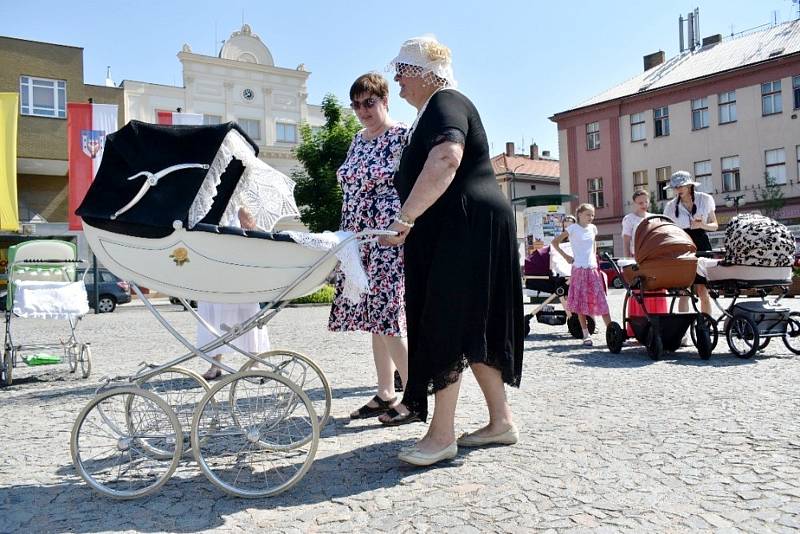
<point>582,241</point>
<point>705,206</point>
<point>629,224</point>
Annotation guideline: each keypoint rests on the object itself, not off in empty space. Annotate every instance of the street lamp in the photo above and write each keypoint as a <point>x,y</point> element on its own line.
<point>513,189</point>
<point>734,201</point>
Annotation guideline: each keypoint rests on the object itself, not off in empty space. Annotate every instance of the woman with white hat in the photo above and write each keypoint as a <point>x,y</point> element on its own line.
<point>463,282</point>
<point>694,212</point>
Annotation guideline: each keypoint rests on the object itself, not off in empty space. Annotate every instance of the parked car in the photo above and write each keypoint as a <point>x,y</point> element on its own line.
<point>175,300</point>
<point>611,274</point>
<point>112,290</point>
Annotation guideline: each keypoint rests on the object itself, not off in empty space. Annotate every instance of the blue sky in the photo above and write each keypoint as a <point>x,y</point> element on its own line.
<point>519,61</point>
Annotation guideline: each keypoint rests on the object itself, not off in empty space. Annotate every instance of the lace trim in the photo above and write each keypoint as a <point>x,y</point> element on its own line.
<point>355,281</point>
<point>266,193</point>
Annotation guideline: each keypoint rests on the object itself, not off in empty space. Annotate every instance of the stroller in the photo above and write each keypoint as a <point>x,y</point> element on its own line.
<point>159,213</point>
<point>41,284</point>
<point>759,253</point>
<point>546,272</point>
<point>665,260</point>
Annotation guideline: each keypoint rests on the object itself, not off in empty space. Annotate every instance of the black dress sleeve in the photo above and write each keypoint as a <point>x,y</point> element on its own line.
<point>447,118</point>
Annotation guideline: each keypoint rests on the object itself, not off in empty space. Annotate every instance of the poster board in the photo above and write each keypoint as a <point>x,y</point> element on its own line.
<point>542,224</point>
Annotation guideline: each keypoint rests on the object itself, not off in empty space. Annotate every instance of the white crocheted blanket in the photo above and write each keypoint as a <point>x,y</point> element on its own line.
<point>50,300</point>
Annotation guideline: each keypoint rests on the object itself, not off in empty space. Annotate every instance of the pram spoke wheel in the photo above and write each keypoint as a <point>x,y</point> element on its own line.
<point>8,366</point>
<point>72,357</point>
<point>742,336</point>
<point>262,442</point>
<point>108,442</point>
<point>85,359</point>
<point>615,337</point>
<point>183,390</point>
<point>705,335</point>
<point>301,370</point>
<point>792,336</point>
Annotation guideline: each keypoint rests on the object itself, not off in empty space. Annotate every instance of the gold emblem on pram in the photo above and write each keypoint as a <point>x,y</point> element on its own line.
<point>180,256</point>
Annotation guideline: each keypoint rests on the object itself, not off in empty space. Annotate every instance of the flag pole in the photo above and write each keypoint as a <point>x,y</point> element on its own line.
<point>95,282</point>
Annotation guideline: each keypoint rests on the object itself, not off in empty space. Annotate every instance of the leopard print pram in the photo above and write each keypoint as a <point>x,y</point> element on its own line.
<point>752,239</point>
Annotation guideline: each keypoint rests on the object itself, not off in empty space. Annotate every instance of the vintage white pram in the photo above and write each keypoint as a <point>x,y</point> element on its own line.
<point>42,285</point>
<point>759,254</point>
<point>153,216</point>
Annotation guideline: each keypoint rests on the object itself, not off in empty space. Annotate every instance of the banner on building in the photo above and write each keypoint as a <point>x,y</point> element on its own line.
<point>173,117</point>
<point>9,210</point>
<point>88,125</point>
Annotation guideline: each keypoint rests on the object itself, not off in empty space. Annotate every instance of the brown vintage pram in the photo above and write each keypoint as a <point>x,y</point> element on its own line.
<point>665,260</point>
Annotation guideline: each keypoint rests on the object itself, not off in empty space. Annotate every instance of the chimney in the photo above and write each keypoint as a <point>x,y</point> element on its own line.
<point>510,149</point>
<point>545,153</point>
<point>534,151</point>
<point>711,40</point>
<point>653,60</point>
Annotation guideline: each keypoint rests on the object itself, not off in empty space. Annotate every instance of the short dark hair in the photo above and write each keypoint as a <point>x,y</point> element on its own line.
<point>370,83</point>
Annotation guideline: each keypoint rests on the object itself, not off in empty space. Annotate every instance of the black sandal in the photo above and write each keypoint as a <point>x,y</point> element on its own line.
<point>366,411</point>
<point>397,419</point>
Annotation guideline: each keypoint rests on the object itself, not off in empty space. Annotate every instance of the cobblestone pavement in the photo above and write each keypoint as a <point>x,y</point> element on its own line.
<point>609,443</point>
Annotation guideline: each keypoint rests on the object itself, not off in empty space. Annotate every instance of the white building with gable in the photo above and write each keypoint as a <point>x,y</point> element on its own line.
<point>242,85</point>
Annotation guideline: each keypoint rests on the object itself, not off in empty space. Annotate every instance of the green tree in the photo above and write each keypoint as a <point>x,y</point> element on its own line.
<point>771,196</point>
<point>317,192</point>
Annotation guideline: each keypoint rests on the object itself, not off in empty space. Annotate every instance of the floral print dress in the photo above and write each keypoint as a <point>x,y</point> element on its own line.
<point>370,201</point>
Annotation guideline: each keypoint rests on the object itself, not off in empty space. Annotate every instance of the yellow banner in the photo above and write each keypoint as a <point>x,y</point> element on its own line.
<point>9,211</point>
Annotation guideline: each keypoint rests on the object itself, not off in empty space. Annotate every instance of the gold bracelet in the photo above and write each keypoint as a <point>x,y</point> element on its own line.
<point>405,221</point>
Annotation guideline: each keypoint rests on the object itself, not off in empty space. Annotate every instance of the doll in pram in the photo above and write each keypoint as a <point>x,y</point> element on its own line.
<point>157,214</point>
<point>759,254</point>
<point>549,273</point>
<point>665,260</point>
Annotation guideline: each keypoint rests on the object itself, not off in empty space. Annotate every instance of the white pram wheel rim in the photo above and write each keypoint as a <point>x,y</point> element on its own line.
<point>102,427</point>
<point>8,366</point>
<point>173,390</point>
<point>85,359</point>
<point>72,357</point>
<point>241,454</point>
<point>295,366</point>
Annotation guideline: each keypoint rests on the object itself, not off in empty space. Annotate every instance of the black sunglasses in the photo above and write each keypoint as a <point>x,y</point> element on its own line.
<point>367,103</point>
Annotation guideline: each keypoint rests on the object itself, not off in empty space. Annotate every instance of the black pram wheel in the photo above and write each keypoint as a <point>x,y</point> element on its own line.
<point>655,347</point>
<point>705,321</point>
<point>701,334</point>
<point>792,336</point>
<point>527,319</point>
<point>615,337</point>
<point>742,336</point>
<point>574,325</point>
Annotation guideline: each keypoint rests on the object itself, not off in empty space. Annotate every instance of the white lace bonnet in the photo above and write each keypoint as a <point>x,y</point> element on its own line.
<point>429,55</point>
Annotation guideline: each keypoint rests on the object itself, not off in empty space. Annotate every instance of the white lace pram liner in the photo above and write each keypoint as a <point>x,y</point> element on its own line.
<point>265,192</point>
<point>355,281</point>
<point>714,272</point>
<point>50,300</point>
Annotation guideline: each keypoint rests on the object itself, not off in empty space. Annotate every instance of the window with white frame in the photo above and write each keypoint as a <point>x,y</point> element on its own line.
<point>700,113</point>
<point>638,129</point>
<point>730,174</point>
<point>796,91</point>
<point>662,180</point>
<point>593,136</point>
<point>771,98</point>
<point>702,174</point>
<point>595,188</point>
<point>775,165</point>
<point>286,133</point>
<point>639,180</point>
<point>212,119</point>
<point>251,127</point>
<point>661,121</point>
<point>42,97</point>
<point>727,107</point>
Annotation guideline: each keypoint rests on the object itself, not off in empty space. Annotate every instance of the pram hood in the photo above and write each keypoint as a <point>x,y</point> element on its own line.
<point>216,166</point>
<point>755,240</point>
<point>657,237</point>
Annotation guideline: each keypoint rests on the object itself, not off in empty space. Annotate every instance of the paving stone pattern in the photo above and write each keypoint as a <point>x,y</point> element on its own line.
<point>609,443</point>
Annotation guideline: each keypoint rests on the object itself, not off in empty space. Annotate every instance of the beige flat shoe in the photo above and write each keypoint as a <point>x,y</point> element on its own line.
<point>509,437</point>
<point>414,456</point>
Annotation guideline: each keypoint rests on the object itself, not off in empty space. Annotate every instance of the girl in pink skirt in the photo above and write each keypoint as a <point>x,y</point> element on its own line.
<point>587,285</point>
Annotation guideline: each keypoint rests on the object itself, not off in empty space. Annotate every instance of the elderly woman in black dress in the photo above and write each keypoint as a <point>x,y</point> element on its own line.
<point>463,284</point>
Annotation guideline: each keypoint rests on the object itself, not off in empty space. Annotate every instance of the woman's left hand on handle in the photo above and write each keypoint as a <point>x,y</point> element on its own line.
<point>395,240</point>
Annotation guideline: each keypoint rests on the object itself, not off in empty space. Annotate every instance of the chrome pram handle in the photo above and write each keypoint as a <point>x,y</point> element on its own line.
<point>152,181</point>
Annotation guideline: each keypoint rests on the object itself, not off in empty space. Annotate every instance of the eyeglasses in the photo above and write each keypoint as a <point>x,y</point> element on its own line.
<point>367,103</point>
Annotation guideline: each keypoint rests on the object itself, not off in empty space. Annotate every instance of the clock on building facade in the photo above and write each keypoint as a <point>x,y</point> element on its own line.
<point>248,94</point>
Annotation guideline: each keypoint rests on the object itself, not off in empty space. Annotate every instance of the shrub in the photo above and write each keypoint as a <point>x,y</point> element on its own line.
<point>323,295</point>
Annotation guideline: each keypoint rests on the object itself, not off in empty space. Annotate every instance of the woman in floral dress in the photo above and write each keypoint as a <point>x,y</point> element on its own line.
<point>370,201</point>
